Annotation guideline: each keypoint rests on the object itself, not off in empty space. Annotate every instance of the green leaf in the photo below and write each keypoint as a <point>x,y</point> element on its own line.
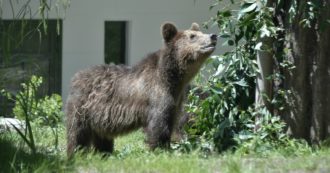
<point>264,31</point>
<point>242,83</point>
<point>225,36</point>
<point>230,42</point>
<point>244,135</point>
<point>216,90</point>
<point>250,1</point>
<point>249,8</point>
<point>258,46</point>
<point>226,13</point>
<point>220,70</point>
<point>213,5</point>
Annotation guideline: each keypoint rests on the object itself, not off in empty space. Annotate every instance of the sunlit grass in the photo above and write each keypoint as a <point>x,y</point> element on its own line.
<point>131,155</point>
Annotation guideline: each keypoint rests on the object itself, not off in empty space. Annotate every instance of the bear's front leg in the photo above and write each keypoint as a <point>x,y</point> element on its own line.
<point>159,128</point>
<point>103,144</point>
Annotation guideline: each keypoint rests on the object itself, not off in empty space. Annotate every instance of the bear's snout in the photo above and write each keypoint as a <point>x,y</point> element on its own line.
<point>214,37</point>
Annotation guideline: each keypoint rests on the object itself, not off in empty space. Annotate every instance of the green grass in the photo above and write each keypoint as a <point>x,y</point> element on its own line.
<point>131,155</point>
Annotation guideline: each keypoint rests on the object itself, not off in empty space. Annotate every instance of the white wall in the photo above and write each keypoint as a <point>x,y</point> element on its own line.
<point>83,28</point>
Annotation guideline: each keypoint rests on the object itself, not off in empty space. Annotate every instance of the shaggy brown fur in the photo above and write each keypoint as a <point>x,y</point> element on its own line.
<point>109,100</point>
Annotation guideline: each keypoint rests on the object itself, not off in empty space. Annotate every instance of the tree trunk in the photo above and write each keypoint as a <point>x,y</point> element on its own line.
<point>320,129</point>
<point>308,112</point>
<point>264,84</point>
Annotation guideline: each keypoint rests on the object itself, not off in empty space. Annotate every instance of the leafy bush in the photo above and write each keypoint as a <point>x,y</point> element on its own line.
<point>43,112</point>
<point>224,115</point>
<point>222,100</point>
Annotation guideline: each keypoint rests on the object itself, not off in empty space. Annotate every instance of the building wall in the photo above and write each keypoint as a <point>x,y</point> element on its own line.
<point>83,28</point>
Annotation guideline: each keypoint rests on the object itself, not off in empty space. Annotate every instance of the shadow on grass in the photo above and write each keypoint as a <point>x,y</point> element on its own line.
<point>19,159</point>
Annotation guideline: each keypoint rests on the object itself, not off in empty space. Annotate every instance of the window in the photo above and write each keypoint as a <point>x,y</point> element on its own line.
<point>26,51</point>
<point>115,42</point>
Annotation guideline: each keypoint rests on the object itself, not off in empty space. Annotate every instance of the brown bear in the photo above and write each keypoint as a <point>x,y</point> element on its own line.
<point>111,100</point>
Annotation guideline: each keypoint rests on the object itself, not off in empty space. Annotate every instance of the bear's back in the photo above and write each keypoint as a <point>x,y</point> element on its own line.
<point>92,78</point>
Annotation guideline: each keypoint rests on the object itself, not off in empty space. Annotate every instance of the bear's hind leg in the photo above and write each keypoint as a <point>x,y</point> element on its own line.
<point>103,144</point>
<point>77,139</point>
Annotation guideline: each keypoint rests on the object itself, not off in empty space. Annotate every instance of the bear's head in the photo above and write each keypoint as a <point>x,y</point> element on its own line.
<point>190,47</point>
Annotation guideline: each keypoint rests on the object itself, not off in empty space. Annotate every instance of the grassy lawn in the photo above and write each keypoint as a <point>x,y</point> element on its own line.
<point>131,155</point>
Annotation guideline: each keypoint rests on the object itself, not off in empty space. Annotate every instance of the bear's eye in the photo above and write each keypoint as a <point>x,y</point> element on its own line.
<point>192,36</point>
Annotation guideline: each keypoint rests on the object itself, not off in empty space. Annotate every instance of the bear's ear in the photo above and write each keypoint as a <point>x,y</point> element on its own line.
<point>168,31</point>
<point>194,27</point>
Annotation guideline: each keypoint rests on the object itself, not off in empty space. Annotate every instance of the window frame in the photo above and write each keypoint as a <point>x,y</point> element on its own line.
<point>123,44</point>
<point>48,46</point>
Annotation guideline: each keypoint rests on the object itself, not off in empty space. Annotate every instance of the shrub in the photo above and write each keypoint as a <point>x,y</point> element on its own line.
<point>222,100</point>
<point>43,112</point>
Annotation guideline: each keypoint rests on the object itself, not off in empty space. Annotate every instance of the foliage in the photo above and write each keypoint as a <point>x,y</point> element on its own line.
<point>32,110</point>
<point>222,100</point>
<point>26,102</point>
<point>224,114</point>
<point>220,104</point>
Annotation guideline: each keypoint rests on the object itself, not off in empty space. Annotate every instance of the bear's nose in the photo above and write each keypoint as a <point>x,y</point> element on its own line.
<point>214,37</point>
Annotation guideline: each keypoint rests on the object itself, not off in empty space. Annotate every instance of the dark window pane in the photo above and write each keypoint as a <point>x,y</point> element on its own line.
<point>25,50</point>
<point>115,42</point>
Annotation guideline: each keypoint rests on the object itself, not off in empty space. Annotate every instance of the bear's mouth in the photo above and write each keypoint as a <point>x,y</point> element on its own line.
<point>210,47</point>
